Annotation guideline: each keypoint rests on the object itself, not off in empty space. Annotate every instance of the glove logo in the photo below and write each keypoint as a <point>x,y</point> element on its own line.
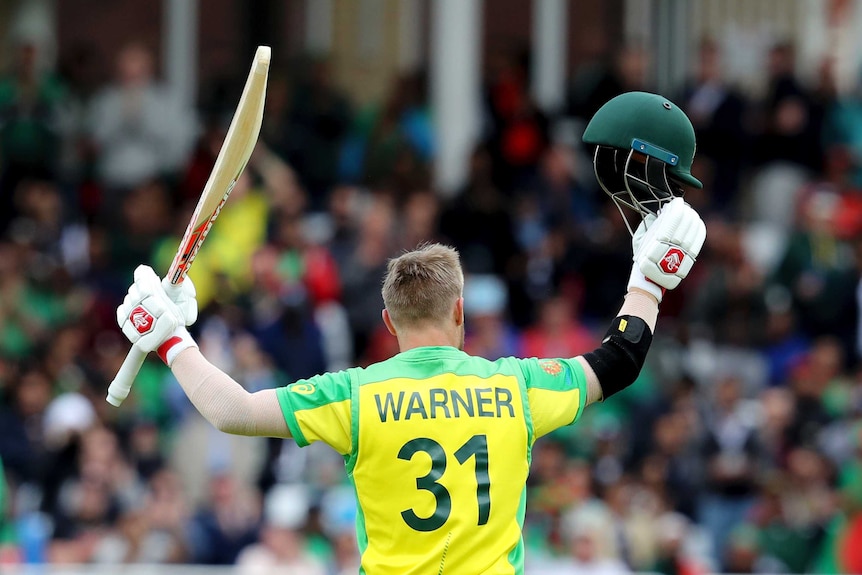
<point>671,261</point>
<point>142,320</point>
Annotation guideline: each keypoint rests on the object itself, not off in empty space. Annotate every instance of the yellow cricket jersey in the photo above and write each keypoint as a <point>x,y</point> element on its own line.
<point>437,444</point>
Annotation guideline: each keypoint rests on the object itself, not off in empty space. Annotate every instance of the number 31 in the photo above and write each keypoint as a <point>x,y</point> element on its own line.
<point>476,445</point>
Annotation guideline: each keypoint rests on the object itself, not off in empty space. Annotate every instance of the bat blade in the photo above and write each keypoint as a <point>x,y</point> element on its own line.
<point>235,152</point>
<point>231,161</point>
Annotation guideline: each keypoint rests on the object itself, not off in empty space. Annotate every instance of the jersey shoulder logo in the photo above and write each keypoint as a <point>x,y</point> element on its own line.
<point>141,319</point>
<point>302,388</point>
<point>551,366</point>
<point>672,260</point>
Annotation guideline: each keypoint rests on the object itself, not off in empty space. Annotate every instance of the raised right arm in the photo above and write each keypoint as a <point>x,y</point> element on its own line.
<point>224,402</point>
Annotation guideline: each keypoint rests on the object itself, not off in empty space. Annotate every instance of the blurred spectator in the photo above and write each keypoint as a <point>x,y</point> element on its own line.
<point>818,271</point>
<point>744,553</point>
<point>557,333</point>
<point>345,207</point>
<point>140,222</point>
<point>421,215</point>
<point>551,217</point>
<point>489,333</point>
<point>8,552</point>
<point>674,531</point>
<point>282,548</point>
<point>843,129</point>
<point>839,548</point>
<point>29,309</point>
<point>292,277</point>
<point>672,470</point>
<point>22,441</point>
<point>315,129</point>
<point>43,222</point>
<point>730,451</point>
<point>805,505</point>
<point>141,129</point>
<point>809,382</point>
<point>773,437</point>
<point>145,452</point>
<point>791,122</point>
<point>559,484</point>
<point>590,546</point>
<point>717,113</point>
<point>788,143</point>
<point>517,132</point>
<point>362,273</point>
<point>607,74</point>
<point>730,306</point>
<point>605,250</point>
<point>786,343</point>
<point>345,554</point>
<point>81,70</point>
<point>90,500</point>
<point>218,533</point>
<point>563,197</point>
<point>152,533</point>
<point>400,143</point>
<point>292,269</point>
<point>29,99</point>
<point>477,222</point>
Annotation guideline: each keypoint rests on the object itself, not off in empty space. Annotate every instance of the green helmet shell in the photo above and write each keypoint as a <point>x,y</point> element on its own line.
<point>644,122</point>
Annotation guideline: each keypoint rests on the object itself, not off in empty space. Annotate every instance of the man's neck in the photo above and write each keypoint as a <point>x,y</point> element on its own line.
<point>426,337</point>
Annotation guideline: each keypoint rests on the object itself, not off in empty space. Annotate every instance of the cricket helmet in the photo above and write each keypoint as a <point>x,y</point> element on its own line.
<point>644,149</point>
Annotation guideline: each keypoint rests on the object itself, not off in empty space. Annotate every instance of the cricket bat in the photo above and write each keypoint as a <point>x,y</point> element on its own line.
<point>231,161</point>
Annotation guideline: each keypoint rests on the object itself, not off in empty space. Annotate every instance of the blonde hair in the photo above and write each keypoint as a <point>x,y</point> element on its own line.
<point>422,285</point>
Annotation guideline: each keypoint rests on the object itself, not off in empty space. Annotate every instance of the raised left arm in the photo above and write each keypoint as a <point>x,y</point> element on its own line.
<point>664,250</point>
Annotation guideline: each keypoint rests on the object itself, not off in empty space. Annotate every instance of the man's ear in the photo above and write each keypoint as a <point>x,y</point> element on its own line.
<point>388,322</point>
<point>459,311</point>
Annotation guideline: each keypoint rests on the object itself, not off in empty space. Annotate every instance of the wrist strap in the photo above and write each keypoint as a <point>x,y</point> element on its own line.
<point>639,280</point>
<point>179,341</point>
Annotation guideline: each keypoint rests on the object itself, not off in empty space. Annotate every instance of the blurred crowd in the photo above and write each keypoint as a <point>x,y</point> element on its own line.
<point>737,450</point>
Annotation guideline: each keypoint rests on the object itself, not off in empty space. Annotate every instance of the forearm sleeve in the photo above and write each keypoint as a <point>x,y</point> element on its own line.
<point>224,402</point>
<point>637,304</point>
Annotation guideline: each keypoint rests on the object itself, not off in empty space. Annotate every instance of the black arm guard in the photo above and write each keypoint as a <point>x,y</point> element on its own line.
<point>619,360</point>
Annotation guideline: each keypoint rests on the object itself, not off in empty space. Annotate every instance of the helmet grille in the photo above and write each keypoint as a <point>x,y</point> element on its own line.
<point>634,180</point>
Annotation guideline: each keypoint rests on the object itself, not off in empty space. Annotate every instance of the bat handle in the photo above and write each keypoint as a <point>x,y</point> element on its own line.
<point>119,389</point>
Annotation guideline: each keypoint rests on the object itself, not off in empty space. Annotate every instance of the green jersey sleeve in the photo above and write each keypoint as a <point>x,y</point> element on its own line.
<point>318,409</point>
<point>556,392</point>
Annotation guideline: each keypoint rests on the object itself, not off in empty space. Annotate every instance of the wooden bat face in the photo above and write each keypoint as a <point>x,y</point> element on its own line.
<point>231,161</point>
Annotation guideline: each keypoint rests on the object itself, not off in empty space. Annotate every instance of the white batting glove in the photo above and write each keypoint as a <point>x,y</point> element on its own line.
<point>637,238</point>
<point>150,320</point>
<point>185,296</point>
<point>666,247</point>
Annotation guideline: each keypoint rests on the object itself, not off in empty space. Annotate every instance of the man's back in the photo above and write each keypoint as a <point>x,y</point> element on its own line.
<point>437,444</point>
<point>444,447</point>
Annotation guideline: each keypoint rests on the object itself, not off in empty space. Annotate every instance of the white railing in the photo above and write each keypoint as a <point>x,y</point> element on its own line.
<point>174,570</point>
<point>138,570</point>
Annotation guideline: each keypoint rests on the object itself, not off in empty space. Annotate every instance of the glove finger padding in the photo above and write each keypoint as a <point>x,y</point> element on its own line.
<point>641,233</point>
<point>184,296</point>
<point>672,244</point>
<point>146,279</point>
